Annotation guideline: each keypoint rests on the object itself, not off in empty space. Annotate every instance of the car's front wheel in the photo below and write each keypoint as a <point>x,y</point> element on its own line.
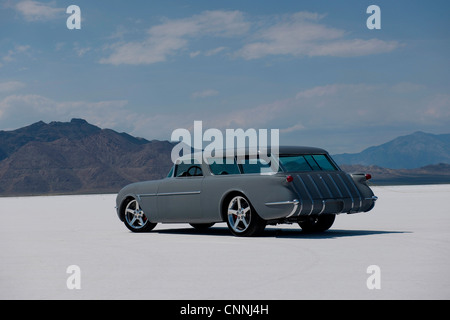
<point>242,219</point>
<point>135,218</point>
<point>317,223</point>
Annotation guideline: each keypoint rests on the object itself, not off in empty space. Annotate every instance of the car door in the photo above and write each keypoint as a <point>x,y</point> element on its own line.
<point>180,197</point>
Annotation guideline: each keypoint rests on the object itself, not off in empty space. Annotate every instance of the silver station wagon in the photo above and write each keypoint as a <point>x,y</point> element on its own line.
<point>248,192</point>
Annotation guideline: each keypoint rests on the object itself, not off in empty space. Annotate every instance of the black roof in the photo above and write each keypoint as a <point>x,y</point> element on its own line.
<point>283,150</point>
<point>300,150</point>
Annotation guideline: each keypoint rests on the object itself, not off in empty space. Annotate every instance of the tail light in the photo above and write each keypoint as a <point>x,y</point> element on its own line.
<point>289,179</point>
<point>368,176</point>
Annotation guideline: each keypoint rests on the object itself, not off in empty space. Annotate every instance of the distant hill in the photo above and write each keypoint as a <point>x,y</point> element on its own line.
<point>76,157</point>
<point>406,152</point>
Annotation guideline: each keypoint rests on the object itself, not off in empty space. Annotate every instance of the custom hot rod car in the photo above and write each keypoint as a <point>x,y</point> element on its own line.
<point>248,192</point>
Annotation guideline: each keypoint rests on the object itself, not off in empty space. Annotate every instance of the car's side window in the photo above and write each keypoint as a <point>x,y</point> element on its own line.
<point>223,166</point>
<point>195,171</point>
<point>189,169</point>
<point>255,165</point>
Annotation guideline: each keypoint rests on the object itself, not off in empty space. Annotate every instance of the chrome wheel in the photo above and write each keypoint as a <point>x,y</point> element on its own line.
<point>242,219</point>
<point>239,214</point>
<point>135,219</point>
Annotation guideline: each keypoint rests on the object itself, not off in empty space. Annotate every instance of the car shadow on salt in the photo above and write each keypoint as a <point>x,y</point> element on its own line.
<point>280,233</point>
<point>329,234</point>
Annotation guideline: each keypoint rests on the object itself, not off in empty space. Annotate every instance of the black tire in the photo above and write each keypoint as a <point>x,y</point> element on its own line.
<point>317,223</point>
<point>202,226</point>
<point>135,219</point>
<point>242,219</point>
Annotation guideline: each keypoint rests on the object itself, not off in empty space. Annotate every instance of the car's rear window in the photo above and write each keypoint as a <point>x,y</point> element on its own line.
<point>316,162</point>
<point>324,163</point>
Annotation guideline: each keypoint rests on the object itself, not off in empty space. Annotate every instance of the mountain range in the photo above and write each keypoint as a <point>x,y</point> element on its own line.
<point>406,152</point>
<point>78,158</point>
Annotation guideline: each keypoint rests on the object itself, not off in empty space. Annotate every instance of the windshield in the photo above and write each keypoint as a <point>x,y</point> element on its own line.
<point>314,162</point>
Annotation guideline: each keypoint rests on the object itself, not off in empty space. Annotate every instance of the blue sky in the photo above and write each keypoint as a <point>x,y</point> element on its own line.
<point>311,69</point>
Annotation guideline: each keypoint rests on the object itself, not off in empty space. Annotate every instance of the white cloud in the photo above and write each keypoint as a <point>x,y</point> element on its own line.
<point>319,112</point>
<point>8,86</point>
<point>302,34</point>
<point>18,49</point>
<point>171,36</point>
<point>150,51</point>
<point>215,51</point>
<point>299,34</point>
<point>82,51</point>
<point>337,106</point>
<point>332,89</point>
<point>38,11</point>
<point>208,53</point>
<point>294,128</point>
<point>317,91</point>
<point>30,108</point>
<point>205,93</point>
<point>438,107</point>
<point>371,106</point>
<point>194,54</point>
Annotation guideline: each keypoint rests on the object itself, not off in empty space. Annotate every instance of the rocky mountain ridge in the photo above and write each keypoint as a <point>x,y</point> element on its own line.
<point>76,157</point>
<point>411,151</point>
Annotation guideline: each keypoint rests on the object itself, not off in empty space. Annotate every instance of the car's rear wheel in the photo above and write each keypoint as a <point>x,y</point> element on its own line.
<point>135,218</point>
<point>242,219</point>
<point>317,223</point>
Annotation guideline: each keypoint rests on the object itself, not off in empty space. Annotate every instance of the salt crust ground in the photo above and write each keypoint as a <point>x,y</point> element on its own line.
<point>407,235</point>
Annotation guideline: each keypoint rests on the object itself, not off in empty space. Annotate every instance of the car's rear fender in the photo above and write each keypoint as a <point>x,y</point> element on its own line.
<point>270,195</point>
